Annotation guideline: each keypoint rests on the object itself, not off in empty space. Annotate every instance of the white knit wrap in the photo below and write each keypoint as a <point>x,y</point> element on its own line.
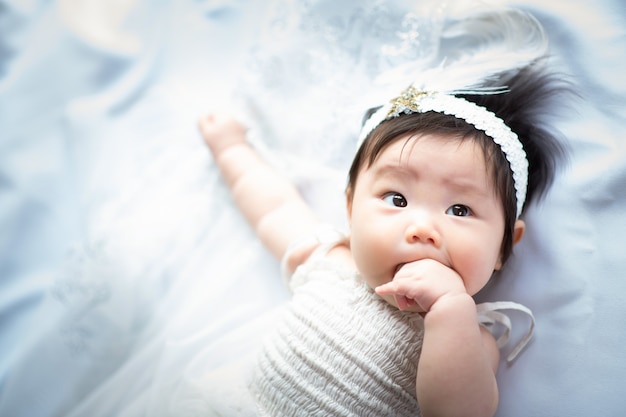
<point>340,351</point>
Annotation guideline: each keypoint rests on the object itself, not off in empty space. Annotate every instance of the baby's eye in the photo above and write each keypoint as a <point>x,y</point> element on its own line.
<point>395,199</point>
<point>459,210</point>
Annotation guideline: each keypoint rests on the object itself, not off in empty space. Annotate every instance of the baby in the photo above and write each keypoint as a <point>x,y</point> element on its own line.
<point>383,321</point>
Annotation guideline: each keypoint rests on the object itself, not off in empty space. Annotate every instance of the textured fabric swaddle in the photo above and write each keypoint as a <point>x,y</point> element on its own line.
<point>339,350</point>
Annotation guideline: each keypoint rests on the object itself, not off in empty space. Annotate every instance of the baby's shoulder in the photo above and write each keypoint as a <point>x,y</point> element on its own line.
<point>332,266</point>
<point>327,241</point>
<point>341,254</point>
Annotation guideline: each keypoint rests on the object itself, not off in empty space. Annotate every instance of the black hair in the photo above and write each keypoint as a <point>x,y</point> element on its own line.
<point>533,96</point>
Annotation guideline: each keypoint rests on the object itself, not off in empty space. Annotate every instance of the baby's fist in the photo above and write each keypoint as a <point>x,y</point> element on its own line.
<point>220,132</point>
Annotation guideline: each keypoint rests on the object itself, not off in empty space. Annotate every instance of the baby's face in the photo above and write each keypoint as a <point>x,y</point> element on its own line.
<point>427,198</point>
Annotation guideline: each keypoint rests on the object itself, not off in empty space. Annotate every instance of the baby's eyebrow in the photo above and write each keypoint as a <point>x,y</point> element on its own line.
<point>461,182</point>
<point>466,186</point>
<point>394,170</point>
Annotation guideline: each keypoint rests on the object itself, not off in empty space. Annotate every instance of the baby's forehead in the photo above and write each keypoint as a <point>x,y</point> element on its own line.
<point>461,156</point>
<point>438,146</point>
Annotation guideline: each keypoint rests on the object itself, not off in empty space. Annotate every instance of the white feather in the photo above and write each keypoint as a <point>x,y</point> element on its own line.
<point>476,45</point>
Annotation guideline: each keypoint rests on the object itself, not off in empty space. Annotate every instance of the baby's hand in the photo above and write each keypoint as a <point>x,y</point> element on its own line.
<point>423,283</point>
<point>221,132</point>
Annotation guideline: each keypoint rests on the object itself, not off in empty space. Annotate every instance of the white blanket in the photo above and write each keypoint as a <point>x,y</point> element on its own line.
<point>127,276</point>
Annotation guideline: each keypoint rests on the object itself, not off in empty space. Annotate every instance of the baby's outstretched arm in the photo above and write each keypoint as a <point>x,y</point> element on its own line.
<point>271,204</point>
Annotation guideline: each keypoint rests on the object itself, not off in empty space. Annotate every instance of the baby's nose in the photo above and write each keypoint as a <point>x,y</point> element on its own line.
<point>423,229</point>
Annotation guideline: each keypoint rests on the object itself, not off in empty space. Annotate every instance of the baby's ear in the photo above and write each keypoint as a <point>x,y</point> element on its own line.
<point>349,196</point>
<point>498,265</point>
<point>518,231</point>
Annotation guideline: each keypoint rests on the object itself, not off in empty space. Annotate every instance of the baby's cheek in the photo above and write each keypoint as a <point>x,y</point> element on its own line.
<point>371,265</point>
<point>475,272</point>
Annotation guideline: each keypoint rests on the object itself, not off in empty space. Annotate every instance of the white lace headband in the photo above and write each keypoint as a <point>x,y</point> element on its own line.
<point>413,100</point>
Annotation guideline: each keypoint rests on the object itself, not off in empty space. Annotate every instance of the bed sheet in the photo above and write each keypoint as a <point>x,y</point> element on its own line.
<point>126,273</point>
